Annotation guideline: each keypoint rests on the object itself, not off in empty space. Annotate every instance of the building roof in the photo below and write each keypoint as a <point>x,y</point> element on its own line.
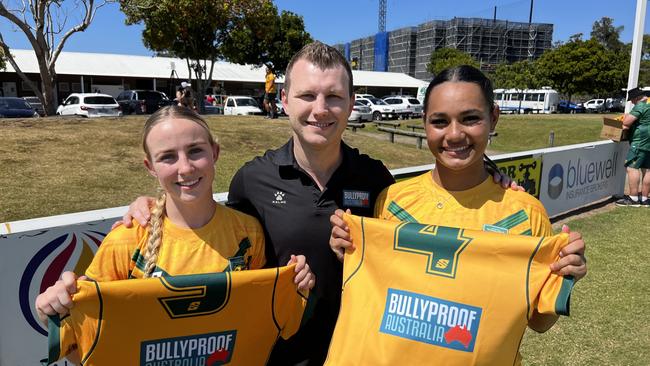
<point>104,64</point>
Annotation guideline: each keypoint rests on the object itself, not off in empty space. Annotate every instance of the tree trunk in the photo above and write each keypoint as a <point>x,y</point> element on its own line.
<point>50,98</point>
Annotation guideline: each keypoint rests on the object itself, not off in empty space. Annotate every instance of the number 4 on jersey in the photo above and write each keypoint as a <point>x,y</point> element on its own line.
<point>442,245</point>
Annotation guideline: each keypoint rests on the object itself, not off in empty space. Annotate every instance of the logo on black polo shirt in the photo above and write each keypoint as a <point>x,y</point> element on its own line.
<point>356,198</point>
<point>279,197</point>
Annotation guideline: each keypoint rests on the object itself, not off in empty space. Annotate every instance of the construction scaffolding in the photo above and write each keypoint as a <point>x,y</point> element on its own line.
<point>430,37</point>
<point>367,60</point>
<point>401,50</point>
<point>490,42</point>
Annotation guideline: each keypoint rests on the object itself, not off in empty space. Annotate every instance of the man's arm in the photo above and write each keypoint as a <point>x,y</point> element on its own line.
<point>628,121</point>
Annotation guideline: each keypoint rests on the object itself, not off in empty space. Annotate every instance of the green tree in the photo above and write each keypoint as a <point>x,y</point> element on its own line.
<point>205,31</point>
<point>444,58</point>
<point>519,75</point>
<point>585,67</point>
<point>47,26</point>
<point>607,34</point>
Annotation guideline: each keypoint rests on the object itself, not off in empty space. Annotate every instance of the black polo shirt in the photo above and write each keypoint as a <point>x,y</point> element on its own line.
<point>295,215</point>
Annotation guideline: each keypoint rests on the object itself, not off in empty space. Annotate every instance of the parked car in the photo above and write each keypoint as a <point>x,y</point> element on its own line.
<point>142,101</point>
<point>564,106</point>
<point>90,105</point>
<point>380,110</point>
<point>405,107</point>
<point>615,104</point>
<point>241,106</point>
<point>280,107</point>
<point>36,104</point>
<point>360,112</point>
<point>11,107</point>
<point>595,105</point>
<point>363,96</point>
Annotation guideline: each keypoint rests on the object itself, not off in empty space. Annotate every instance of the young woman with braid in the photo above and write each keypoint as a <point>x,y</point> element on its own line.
<point>189,233</point>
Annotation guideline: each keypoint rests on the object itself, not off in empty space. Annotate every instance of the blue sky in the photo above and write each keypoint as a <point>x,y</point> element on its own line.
<point>336,21</point>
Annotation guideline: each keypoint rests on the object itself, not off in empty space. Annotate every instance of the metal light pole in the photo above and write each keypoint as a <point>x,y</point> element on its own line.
<point>637,42</point>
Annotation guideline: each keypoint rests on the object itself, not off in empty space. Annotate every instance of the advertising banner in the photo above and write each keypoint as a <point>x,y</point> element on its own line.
<point>577,177</point>
<point>31,262</point>
<point>525,170</point>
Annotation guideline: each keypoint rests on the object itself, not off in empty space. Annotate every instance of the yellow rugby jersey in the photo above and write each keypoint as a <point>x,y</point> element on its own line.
<point>418,294</point>
<point>204,319</point>
<point>486,207</point>
<point>230,241</point>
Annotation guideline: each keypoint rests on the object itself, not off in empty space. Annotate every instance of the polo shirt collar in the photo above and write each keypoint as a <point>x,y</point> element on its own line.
<point>284,155</point>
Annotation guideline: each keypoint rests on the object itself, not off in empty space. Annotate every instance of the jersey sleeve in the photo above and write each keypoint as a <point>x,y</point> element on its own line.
<point>380,210</point>
<point>352,261</point>
<point>113,258</point>
<point>76,331</point>
<point>540,224</point>
<point>552,292</point>
<point>289,304</point>
<point>638,110</point>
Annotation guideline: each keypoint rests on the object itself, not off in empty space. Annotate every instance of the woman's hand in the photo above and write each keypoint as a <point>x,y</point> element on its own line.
<point>57,299</point>
<point>572,260</point>
<point>304,278</point>
<point>340,240</point>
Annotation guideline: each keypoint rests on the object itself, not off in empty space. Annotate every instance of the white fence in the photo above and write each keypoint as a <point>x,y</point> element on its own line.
<point>35,252</point>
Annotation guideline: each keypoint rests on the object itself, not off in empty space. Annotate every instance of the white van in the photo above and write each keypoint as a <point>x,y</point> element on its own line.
<point>241,106</point>
<point>595,105</point>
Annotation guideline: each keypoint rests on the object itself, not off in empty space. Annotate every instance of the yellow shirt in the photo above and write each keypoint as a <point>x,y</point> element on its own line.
<point>419,294</point>
<point>206,319</point>
<point>269,85</point>
<point>231,240</point>
<point>486,207</point>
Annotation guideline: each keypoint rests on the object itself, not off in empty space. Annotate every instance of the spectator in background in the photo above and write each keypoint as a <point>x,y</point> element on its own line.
<point>270,92</point>
<point>185,96</point>
<point>638,157</point>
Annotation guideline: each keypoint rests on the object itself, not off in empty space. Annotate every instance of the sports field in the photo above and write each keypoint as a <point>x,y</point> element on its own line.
<point>53,166</point>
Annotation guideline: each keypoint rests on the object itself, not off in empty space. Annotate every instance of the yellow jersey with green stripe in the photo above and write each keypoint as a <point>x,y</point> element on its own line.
<point>486,207</point>
<point>202,319</point>
<point>230,241</point>
<point>422,294</point>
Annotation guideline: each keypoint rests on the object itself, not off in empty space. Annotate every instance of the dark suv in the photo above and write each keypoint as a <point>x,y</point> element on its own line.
<point>142,101</point>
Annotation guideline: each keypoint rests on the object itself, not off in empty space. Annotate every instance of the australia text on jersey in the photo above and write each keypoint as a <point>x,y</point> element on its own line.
<point>430,320</point>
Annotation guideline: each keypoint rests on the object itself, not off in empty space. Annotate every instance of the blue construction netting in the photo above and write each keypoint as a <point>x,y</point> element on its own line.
<point>381,51</point>
<point>347,51</point>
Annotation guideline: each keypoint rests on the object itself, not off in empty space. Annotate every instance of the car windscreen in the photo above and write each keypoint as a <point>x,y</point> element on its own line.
<point>414,101</point>
<point>377,101</point>
<point>246,102</point>
<point>99,100</point>
<point>17,104</point>
<point>150,96</point>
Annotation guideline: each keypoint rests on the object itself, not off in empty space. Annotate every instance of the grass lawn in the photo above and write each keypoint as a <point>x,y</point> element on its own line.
<point>54,165</point>
<point>609,307</point>
<point>51,166</point>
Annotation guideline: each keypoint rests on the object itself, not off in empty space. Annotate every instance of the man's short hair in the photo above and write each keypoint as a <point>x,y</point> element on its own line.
<point>324,57</point>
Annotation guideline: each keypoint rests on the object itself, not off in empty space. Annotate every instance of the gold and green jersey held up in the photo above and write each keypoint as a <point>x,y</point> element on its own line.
<point>420,294</point>
<point>202,319</point>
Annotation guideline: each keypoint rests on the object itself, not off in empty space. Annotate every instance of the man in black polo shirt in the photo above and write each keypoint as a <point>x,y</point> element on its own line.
<point>293,190</point>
